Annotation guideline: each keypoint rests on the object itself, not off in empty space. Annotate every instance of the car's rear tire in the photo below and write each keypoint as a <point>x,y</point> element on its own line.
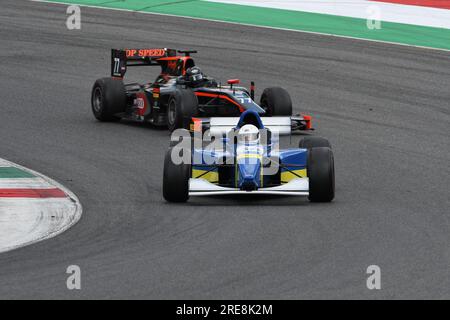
<point>320,168</point>
<point>108,98</point>
<point>182,106</point>
<point>276,102</point>
<point>175,179</point>
<point>313,142</point>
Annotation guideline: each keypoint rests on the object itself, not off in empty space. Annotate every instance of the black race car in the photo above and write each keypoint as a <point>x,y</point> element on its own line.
<point>180,93</point>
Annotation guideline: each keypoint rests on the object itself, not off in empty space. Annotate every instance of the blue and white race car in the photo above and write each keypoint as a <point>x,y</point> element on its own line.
<point>246,160</point>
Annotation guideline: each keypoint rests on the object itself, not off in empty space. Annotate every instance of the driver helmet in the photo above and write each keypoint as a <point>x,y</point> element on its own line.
<point>194,74</point>
<point>248,134</point>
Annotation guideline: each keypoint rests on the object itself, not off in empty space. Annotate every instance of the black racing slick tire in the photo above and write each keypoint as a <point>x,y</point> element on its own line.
<point>108,98</point>
<point>320,168</point>
<point>313,142</point>
<point>182,106</point>
<point>276,102</point>
<point>175,179</point>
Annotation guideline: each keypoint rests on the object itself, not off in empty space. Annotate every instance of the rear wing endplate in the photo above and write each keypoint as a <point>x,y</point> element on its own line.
<point>123,58</point>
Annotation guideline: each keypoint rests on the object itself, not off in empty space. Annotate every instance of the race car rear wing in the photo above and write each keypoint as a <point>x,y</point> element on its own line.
<point>281,125</point>
<point>123,58</point>
<point>222,125</point>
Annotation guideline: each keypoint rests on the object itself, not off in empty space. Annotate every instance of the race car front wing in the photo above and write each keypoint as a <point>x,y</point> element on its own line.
<point>295,187</point>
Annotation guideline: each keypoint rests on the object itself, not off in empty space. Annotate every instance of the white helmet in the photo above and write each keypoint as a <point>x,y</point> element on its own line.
<point>248,134</point>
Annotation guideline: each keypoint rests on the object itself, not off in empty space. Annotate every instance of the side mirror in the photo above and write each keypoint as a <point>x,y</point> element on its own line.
<point>233,81</point>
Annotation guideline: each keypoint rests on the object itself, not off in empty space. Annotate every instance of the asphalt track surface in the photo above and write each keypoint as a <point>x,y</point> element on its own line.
<point>385,109</point>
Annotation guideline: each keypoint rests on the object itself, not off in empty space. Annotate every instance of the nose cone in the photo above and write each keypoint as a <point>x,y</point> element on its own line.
<point>249,174</point>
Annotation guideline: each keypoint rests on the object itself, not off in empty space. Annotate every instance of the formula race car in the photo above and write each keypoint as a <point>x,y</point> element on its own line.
<point>181,91</point>
<point>247,161</point>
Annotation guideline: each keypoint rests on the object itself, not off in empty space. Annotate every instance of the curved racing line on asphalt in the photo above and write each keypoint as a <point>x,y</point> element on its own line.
<point>244,24</point>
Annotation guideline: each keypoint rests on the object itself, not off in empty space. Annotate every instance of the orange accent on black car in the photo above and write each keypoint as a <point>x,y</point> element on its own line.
<point>220,96</point>
<point>146,53</point>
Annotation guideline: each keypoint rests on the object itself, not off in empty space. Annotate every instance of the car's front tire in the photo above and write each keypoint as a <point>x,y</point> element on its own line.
<point>276,102</point>
<point>313,142</point>
<point>108,98</point>
<point>175,179</point>
<point>182,106</point>
<point>320,169</point>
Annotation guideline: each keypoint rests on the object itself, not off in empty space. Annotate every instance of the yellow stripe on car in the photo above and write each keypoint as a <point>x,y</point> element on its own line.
<point>287,176</point>
<point>211,176</point>
<point>249,156</point>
